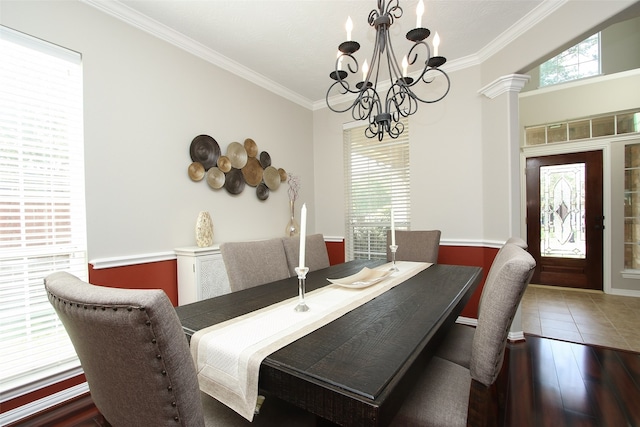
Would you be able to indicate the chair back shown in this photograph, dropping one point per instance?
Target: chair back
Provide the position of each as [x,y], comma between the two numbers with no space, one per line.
[415,245]
[316,255]
[508,278]
[518,242]
[133,352]
[254,263]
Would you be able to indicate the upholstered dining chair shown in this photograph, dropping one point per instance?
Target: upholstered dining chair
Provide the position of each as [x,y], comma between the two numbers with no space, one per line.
[137,361]
[456,346]
[448,394]
[316,255]
[415,245]
[254,263]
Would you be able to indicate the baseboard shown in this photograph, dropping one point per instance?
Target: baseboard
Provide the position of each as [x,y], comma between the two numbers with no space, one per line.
[514,336]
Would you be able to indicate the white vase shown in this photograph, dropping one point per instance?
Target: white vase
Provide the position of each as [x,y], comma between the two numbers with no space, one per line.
[204,230]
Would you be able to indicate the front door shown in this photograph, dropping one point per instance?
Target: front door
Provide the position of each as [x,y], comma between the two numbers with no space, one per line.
[565,219]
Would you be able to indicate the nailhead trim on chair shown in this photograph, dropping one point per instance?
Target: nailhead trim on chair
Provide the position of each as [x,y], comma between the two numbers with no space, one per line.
[154,341]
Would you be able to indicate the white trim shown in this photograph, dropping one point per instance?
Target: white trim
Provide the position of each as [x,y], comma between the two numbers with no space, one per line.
[533,18]
[630,274]
[336,239]
[624,292]
[581,82]
[126,260]
[32,408]
[470,321]
[509,83]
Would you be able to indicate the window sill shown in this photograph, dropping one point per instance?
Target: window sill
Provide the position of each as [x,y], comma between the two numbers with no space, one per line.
[630,274]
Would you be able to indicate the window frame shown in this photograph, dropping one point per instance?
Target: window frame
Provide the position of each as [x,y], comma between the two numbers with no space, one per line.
[42,206]
[376,183]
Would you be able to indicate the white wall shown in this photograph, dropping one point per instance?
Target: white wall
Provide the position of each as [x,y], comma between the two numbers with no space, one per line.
[145,100]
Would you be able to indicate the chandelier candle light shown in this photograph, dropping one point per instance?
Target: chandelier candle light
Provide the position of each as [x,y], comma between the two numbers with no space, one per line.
[302,270]
[400,100]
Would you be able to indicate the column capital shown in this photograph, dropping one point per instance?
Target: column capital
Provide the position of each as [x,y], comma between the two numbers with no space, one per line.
[509,83]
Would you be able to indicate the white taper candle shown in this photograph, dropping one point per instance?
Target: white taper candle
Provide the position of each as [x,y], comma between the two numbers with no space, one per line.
[393,229]
[303,232]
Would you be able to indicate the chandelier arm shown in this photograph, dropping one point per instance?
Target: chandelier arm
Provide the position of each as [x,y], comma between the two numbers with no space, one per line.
[431,101]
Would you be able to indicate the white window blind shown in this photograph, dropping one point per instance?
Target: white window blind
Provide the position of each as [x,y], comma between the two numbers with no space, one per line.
[377,179]
[42,205]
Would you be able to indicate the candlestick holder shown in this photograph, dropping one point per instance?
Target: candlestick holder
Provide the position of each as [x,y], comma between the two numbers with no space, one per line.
[302,277]
[393,248]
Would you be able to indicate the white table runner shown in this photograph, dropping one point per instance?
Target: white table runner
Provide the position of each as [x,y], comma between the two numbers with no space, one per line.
[228,355]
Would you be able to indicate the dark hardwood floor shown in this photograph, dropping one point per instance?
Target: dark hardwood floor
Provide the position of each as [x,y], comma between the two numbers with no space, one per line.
[558,383]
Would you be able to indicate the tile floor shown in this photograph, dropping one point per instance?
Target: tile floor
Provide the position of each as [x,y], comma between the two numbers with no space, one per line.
[582,316]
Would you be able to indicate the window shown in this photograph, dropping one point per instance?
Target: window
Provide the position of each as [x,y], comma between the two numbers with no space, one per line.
[577,62]
[377,180]
[619,123]
[42,207]
[632,207]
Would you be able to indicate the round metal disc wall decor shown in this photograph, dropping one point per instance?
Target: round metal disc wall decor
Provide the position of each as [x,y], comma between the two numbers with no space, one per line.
[224,164]
[272,178]
[215,178]
[262,191]
[265,159]
[251,147]
[237,154]
[196,171]
[252,172]
[234,181]
[204,149]
[241,165]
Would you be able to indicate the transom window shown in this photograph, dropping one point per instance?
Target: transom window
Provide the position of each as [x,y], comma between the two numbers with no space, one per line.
[577,62]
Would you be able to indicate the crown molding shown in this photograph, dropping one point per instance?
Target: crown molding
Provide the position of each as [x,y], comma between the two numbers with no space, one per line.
[542,11]
[155,28]
[163,32]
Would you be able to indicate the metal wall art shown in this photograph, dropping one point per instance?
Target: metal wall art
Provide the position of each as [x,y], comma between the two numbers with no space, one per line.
[242,164]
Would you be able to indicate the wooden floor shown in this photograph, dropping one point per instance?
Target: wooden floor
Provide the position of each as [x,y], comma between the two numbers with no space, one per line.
[558,383]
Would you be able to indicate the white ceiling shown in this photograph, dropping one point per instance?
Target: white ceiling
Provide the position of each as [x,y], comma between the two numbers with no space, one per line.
[290,46]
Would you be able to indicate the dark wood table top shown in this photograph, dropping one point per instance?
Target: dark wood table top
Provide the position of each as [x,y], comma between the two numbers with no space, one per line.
[356,370]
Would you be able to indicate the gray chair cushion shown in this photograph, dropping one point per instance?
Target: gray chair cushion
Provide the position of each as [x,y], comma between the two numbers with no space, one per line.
[440,398]
[415,245]
[316,255]
[456,346]
[133,352]
[508,278]
[254,263]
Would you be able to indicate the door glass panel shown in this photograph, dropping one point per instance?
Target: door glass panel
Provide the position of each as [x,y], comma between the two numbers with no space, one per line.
[562,210]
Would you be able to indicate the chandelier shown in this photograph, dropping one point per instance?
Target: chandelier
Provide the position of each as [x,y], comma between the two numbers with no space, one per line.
[384,114]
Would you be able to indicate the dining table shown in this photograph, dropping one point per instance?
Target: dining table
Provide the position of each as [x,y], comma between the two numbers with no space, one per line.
[358,369]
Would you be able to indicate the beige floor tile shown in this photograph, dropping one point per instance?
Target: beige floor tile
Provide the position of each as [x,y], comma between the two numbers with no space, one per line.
[594,328]
[551,315]
[562,334]
[557,324]
[609,340]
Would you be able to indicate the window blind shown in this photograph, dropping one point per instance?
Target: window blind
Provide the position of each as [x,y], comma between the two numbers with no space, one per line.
[42,206]
[377,179]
